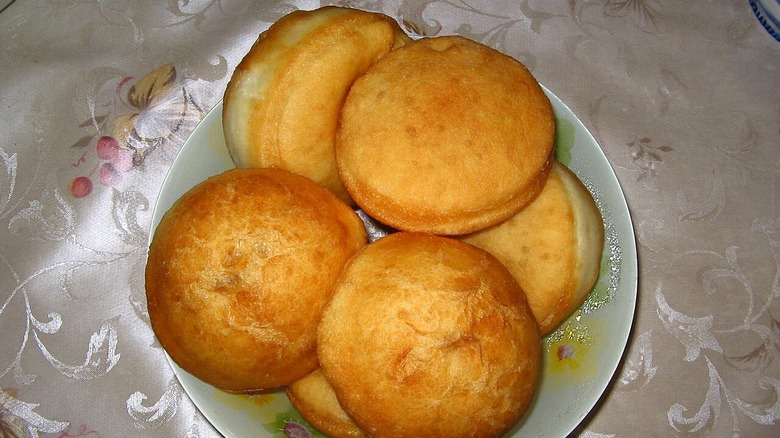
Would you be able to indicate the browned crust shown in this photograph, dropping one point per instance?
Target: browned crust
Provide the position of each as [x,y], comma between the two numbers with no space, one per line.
[552,247]
[464,144]
[239,271]
[429,336]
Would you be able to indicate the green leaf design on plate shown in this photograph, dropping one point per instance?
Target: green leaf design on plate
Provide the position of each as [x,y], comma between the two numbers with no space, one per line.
[564,140]
[277,428]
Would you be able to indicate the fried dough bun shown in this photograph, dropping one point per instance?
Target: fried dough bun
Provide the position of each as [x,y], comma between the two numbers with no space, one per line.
[552,247]
[239,271]
[313,398]
[445,136]
[429,336]
[282,103]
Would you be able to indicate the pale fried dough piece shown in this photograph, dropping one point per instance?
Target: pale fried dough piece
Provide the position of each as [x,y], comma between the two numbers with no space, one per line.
[282,104]
[313,397]
[552,247]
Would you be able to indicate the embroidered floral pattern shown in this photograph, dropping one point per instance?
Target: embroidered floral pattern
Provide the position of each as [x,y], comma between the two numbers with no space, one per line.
[19,419]
[82,431]
[702,334]
[644,12]
[160,108]
[647,156]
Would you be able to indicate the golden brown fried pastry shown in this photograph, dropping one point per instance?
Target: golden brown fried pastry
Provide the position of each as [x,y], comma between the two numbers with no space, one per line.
[429,336]
[313,397]
[282,104]
[552,247]
[445,136]
[239,271]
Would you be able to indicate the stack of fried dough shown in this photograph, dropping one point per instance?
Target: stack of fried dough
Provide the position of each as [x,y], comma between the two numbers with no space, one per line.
[262,277]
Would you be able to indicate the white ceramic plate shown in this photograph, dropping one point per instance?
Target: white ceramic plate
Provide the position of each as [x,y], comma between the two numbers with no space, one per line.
[580,358]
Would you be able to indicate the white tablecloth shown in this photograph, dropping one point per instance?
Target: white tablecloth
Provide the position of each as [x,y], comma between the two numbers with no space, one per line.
[683,98]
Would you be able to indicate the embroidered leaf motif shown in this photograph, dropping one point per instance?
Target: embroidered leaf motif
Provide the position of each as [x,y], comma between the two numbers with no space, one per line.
[95,121]
[708,413]
[712,277]
[694,333]
[7,179]
[776,333]
[758,359]
[151,417]
[50,327]
[22,415]
[151,87]
[101,355]
[124,209]
[14,335]
[646,156]
[642,11]
[82,142]
[762,355]
[764,413]
[707,208]
[51,218]
[413,20]
[771,227]
[638,370]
